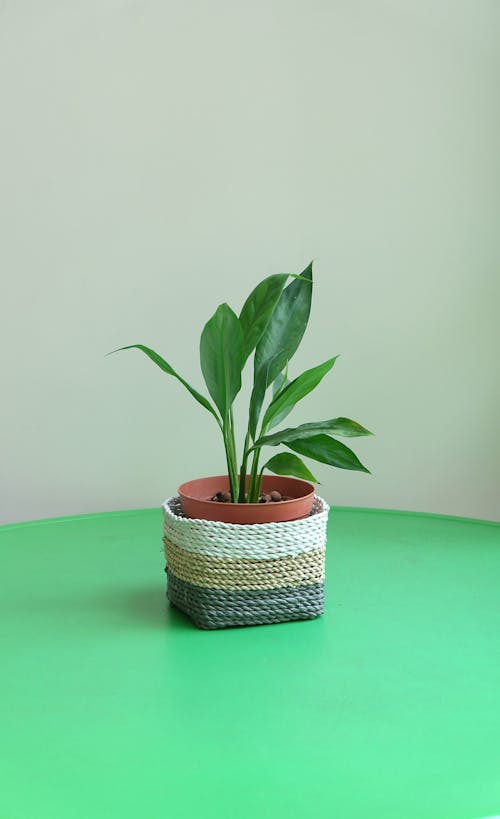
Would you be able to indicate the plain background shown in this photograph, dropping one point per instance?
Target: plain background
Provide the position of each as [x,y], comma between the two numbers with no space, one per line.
[158,158]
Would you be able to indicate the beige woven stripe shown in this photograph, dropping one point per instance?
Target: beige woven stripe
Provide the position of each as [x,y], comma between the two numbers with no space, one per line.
[233,573]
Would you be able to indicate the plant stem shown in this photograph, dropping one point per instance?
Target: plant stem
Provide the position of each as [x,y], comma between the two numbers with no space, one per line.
[253,494]
[256,476]
[231,438]
[243,471]
[234,457]
[229,445]
[259,483]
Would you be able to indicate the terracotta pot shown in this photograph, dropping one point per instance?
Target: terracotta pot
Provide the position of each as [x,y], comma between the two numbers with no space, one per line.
[195,499]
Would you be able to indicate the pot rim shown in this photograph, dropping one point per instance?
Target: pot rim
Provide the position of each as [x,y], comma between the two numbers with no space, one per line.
[311,490]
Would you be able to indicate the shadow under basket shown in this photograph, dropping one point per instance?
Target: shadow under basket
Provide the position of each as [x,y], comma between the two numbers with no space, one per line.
[229,574]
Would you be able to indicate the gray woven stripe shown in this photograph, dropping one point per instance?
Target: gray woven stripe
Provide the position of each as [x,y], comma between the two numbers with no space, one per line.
[219,608]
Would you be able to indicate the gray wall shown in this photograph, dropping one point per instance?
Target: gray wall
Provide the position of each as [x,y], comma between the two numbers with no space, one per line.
[161,157]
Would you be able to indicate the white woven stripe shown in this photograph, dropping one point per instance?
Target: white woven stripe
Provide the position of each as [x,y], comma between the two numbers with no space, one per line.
[260,542]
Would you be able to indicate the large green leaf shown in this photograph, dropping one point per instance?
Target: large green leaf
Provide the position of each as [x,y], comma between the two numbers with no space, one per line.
[165,366]
[287,464]
[221,357]
[296,390]
[327,450]
[336,426]
[258,309]
[280,339]
[280,382]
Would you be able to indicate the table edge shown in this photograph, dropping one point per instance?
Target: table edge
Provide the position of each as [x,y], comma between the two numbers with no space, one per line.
[333,510]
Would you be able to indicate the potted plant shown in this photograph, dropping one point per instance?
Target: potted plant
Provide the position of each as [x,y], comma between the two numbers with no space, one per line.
[216,516]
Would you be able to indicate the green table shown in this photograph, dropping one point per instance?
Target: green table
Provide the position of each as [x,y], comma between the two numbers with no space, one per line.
[113,705]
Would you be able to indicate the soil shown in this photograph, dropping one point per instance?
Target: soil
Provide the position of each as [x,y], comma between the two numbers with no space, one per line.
[272,497]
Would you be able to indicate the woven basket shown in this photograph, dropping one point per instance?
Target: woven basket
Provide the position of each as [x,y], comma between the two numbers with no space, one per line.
[228,574]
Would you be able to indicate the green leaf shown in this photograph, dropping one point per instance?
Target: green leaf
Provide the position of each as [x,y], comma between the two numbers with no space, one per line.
[280,382]
[296,390]
[346,428]
[280,339]
[336,426]
[221,357]
[287,464]
[165,366]
[327,450]
[280,417]
[257,310]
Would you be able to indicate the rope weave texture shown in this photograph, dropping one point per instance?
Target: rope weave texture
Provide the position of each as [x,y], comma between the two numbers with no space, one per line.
[224,574]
